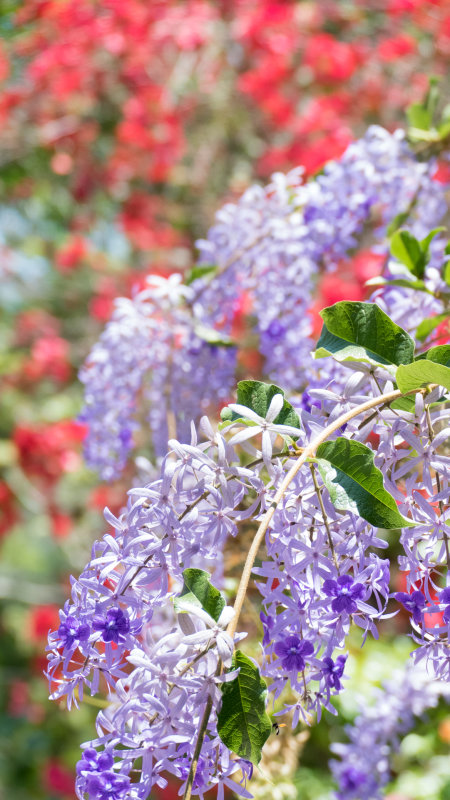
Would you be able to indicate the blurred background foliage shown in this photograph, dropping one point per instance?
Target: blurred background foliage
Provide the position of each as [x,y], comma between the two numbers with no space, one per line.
[123,127]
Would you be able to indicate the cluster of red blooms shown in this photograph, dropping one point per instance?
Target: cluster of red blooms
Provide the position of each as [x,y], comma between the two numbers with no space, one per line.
[111,90]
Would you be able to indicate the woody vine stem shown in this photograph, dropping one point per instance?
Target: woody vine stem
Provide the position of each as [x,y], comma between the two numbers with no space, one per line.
[308,452]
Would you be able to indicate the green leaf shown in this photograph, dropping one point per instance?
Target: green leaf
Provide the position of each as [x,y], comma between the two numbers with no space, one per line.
[363,332]
[404,404]
[412,253]
[258,395]
[398,221]
[425,243]
[356,484]
[421,373]
[439,354]
[428,325]
[407,250]
[446,273]
[242,723]
[200,271]
[419,116]
[199,591]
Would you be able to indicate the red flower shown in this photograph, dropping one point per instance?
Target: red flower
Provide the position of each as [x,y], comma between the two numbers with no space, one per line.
[46,451]
[62,524]
[71,254]
[41,620]
[49,359]
[8,511]
[396,47]
[58,779]
[329,59]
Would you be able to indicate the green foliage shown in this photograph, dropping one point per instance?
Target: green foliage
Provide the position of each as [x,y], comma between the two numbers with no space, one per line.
[257,396]
[421,373]
[199,591]
[242,723]
[356,484]
[355,331]
[200,271]
[412,253]
[439,354]
[425,124]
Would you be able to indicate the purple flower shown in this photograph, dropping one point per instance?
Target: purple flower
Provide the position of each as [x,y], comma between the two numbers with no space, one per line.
[93,761]
[333,671]
[114,627]
[345,593]
[275,329]
[107,786]
[292,652]
[444,598]
[414,603]
[351,780]
[72,630]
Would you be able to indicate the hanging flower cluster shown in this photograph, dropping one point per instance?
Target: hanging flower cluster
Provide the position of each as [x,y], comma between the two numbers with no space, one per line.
[317,478]
[168,341]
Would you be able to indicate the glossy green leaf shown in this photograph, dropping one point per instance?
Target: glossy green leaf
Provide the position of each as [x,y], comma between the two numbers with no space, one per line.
[356,331]
[439,354]
[407,250]
[258,396]
[242,723]
[355,484]
[421,373]
[412,253]
[198,591]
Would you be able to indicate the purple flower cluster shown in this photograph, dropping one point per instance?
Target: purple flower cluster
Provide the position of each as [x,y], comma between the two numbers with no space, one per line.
[412,454]
[364,766]
[119,616]
[323,571]
[151,356]
[273,244]
[321,575]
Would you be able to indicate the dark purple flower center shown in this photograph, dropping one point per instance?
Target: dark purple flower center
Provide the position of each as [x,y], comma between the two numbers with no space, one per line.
[345,593]
[352,779]
[72,630]
[107,786]
[414,603]
[292,652]
[114,627]
[333,671]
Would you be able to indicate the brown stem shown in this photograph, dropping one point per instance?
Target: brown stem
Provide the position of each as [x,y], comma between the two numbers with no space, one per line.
[324,515]
[308,452]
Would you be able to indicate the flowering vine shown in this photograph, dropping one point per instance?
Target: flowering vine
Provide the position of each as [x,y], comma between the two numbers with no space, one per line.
[358,446]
